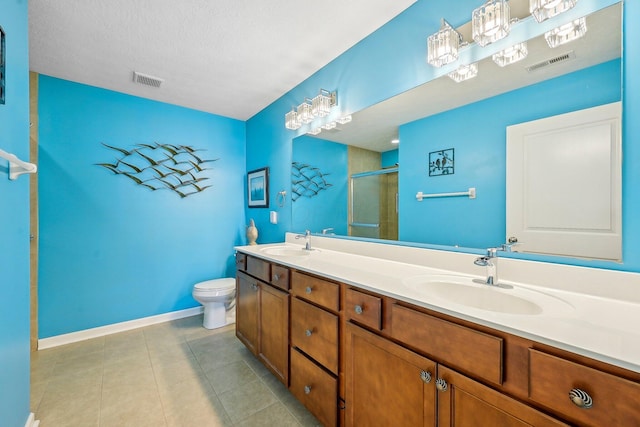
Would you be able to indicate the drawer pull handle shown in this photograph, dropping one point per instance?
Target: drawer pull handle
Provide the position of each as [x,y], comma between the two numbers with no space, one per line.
[358,309]
[425,376]
[254,287]
[276,277]
[441,385]
[308,332]
[308,290]
[307,389]
[580,398]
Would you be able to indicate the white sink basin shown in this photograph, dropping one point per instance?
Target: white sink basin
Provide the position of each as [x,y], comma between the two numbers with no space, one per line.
[463,291]
[285,251]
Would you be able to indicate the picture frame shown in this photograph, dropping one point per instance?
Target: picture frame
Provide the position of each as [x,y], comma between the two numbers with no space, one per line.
[3,58]
[442,162]
[258,188]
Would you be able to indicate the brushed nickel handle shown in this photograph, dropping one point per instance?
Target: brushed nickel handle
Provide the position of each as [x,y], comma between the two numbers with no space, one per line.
[308,290]
[358,309]
[425,376]
[441,385]
[580,398]
[308,332]
[276,277]
[307,389]
[254,287]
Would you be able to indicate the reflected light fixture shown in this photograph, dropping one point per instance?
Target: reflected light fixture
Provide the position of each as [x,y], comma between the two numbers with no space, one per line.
[464,72]
[344,119]
[315,131]
[491,22]
[322,103]
[511,54]
[291,120]
[566,33]
[442,47]
[545,9]
[395,141]
[329,126]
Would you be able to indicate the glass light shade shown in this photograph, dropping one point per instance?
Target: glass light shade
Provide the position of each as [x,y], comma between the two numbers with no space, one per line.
[344,119]
[491,22]
[442,47]
[321,104]
[464,72]
[545,9]
[315,131]
[511,54]
[291,120]
[330,125]
[566,33]
[304,113]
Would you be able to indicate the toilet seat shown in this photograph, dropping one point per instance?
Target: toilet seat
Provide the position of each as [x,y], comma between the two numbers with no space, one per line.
[216,286]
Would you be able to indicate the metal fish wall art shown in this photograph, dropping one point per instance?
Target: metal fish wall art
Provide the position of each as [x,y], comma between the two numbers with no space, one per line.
[307,181]
[178,168]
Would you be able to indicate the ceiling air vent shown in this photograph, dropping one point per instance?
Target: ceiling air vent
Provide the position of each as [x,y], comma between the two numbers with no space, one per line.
[145,79]
[552,61]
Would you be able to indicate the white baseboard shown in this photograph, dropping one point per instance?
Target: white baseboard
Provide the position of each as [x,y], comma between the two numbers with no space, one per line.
[115,328]
[31,421]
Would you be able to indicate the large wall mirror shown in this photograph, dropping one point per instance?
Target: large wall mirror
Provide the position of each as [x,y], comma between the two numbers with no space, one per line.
[353,181]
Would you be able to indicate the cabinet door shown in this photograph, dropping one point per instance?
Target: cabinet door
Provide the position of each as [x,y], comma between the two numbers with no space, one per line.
[464,402]
[274,331]
[387,385]
[247,305]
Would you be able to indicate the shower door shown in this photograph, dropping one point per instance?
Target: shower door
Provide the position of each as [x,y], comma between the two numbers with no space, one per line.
[373,211]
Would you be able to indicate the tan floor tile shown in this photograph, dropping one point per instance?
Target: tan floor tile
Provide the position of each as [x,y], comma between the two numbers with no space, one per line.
[274,415]
[246,400]
[230,376]
[70,407]
[134,412]
[176,372]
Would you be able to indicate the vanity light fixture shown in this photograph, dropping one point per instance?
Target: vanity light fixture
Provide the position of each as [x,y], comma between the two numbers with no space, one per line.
[545,9]
[566,33]
[323,102]
[511,54]
[442,47]
[315,131]
[304,112]
[291,120]
[329,126]
[464,72]
[491,22]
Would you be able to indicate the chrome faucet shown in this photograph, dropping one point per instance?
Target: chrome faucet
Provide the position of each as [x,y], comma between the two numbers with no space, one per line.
[327,230]
[489,261]
[307,237]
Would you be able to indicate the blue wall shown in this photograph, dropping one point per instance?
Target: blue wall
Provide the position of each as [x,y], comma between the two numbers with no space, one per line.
[480,156]
[14,222]
[111,250]
[329,207]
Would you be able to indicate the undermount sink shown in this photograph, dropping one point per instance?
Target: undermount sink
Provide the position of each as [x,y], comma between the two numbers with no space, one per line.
[464,291]
[285,251]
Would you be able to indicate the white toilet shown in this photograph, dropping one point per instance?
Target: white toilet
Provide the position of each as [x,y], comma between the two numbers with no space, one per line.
[218,297]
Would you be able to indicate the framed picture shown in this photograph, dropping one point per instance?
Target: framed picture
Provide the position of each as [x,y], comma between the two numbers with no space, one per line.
[3,57]
[441,162]
[258,188]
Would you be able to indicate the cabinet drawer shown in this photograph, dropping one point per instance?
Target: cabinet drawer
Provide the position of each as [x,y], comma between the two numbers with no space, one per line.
[259,268]
[241,261]
[363,308]
[315,332]
[615,400]
[280,277]
[474,352]
[319,291]
[314,388]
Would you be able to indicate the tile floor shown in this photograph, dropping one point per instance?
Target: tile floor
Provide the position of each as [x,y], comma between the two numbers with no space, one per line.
[171,374]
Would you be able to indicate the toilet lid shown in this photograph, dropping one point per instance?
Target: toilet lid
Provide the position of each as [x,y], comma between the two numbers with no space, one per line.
[217,284]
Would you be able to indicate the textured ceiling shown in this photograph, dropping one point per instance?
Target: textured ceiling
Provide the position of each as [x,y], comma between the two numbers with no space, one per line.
[227,57]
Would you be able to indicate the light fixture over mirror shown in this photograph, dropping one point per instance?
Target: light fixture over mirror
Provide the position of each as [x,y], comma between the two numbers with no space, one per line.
[310,109]
[464,72]
[545,9]
[491,22]
[511,55]
[566,33]
[442,47]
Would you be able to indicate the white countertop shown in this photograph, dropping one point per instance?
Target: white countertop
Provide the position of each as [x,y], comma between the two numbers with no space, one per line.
[591,312]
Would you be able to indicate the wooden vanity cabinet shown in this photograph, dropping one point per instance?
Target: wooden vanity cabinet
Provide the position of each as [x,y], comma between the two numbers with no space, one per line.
[315,343]
[262,318]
